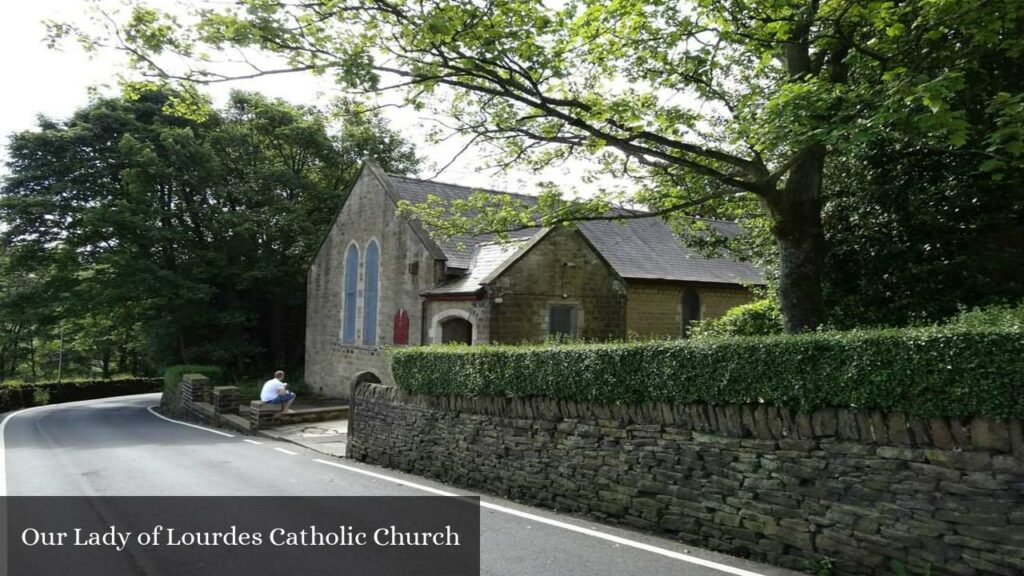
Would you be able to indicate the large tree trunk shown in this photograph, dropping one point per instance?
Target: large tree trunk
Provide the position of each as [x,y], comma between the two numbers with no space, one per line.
[796,224]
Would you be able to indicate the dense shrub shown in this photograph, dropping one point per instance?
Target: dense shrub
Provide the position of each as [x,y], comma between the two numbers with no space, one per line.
[170,401]
[924,372]
[993,317]
[17,396]
[760,318]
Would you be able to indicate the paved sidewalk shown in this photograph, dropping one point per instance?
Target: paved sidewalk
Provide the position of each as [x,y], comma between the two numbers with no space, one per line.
[329,437]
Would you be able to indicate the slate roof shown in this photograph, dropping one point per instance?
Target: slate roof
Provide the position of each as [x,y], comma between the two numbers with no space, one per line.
[459,249]
[484,259]
[638,249]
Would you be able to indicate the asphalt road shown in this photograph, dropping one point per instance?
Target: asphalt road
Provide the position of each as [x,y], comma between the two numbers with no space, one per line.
[118,447]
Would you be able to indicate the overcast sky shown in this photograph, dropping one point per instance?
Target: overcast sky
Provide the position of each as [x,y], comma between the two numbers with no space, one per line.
[55,83]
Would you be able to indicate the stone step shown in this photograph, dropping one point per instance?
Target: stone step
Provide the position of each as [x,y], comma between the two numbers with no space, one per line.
[235,422]
[205,410]
[270,415]
[314,415]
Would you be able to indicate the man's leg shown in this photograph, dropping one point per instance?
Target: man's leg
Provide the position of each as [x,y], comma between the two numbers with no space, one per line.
[288,403]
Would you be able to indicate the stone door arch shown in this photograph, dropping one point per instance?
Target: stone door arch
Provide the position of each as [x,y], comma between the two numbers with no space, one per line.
[453,326]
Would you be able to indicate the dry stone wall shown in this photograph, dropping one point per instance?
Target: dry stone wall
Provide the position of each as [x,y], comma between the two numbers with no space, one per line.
[858,488]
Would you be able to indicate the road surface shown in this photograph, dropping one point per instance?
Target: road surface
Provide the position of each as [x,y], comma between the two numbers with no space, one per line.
[119,447]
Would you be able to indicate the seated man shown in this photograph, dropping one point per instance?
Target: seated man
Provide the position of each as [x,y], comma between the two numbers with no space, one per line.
[275,392]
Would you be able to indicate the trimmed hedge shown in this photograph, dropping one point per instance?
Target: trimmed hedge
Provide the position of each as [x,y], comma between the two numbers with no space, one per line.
[17,396]
[924,372]
[170,400]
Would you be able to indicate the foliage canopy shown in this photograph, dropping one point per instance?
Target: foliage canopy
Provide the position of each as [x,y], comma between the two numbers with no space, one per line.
[708,106]
[154,239]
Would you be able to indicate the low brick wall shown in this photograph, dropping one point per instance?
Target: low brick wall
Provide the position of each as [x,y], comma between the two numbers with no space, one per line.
[860,488]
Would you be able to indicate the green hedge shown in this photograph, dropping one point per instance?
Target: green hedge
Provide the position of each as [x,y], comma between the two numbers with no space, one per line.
[760,318]
[1004,317]
[927,372]
[170,401]
[17,396]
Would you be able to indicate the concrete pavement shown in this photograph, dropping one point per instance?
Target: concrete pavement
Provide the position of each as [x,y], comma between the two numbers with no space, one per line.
[329,438]
[118,446]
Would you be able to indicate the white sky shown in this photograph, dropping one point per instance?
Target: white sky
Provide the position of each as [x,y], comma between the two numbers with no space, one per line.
[55,83]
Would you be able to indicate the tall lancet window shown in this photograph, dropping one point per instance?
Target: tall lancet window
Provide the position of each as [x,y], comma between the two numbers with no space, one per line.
[370,293]
[349,289]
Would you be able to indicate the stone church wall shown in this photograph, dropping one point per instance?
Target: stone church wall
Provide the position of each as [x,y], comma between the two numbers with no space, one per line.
[655,309]
[560,269]
[368,213]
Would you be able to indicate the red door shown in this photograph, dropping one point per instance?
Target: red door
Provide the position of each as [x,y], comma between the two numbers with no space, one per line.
[401,334]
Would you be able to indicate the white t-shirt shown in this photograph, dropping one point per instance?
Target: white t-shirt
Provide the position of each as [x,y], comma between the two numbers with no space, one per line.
[270,389]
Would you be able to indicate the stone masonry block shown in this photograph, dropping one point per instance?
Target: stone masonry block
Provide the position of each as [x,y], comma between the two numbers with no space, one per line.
[989,434]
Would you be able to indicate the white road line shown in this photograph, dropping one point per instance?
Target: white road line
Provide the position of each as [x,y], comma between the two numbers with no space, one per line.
[288,452]
[388,478]
[571,527]
[203,428]
[3,448]
[3,427]
[3,455]
[256,442]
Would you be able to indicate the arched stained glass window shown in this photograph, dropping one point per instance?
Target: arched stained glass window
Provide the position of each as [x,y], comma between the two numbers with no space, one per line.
[370,296]
[349,287]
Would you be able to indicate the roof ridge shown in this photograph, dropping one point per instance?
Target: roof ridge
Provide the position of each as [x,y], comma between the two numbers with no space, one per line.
[521,195]
[706,219]
[505,242]
[471,188]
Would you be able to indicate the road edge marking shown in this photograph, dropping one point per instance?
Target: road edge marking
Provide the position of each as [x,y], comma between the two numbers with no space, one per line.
[3,447]
[557,523]
[197,427]
[13,413]
[3,454]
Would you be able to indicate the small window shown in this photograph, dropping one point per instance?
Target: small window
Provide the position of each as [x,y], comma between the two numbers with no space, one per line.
[325,274]
[691,309]
[562,320]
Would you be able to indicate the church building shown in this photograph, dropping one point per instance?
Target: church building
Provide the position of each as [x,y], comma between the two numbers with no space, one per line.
[379,280]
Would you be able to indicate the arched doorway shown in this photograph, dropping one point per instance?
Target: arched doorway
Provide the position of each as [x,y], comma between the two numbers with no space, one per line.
[456,330]
[362,377]
[366,377]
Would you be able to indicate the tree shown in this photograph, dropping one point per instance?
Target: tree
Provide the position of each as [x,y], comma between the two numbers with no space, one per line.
[147,234]
[916,235]
[703,103]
